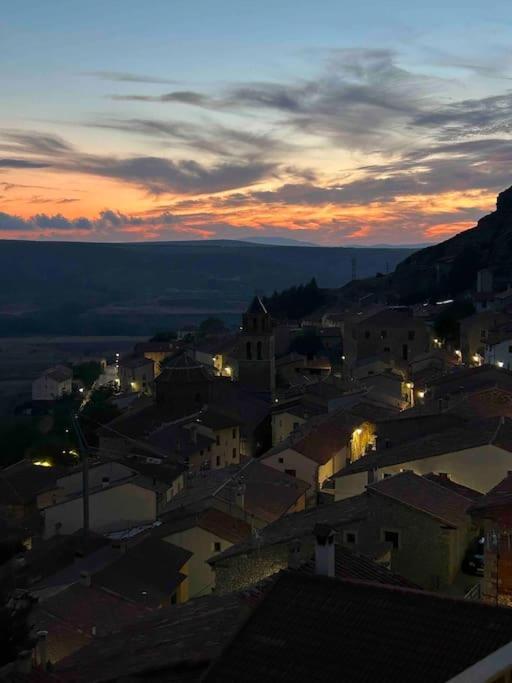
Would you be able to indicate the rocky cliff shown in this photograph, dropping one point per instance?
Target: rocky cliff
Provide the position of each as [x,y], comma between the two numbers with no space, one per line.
[450,268]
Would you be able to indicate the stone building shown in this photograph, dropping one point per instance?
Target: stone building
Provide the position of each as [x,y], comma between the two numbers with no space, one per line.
[255,352]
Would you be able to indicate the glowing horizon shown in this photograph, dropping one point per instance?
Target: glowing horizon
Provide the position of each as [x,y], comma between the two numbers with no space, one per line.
[207,122]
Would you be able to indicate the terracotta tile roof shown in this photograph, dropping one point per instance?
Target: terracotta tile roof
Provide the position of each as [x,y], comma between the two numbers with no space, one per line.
[500,495]
[223,525]
[301,524]
[60,373]
[321,629]
[22,482]
[353,565]
[72,614]
[495,431]
[470,379]
[148,573]
[184,638]
[424,495]
[268,493]
[317,441]
[135,362]
[444,480]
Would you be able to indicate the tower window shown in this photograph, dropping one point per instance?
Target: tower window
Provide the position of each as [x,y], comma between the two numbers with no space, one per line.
[255,323]
[248,351]
[258,350]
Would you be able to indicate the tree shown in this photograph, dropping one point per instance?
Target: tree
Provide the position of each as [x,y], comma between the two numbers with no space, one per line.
[87,372]
[98,410]
[15,607]
[211,326]
[168,336]
[296,302]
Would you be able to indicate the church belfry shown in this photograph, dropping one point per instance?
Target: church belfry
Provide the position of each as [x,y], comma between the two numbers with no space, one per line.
[256,354]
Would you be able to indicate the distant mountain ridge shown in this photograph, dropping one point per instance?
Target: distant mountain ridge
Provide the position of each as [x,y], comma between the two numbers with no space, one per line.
[137,288]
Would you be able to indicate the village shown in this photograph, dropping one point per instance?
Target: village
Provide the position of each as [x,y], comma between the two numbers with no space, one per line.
[212,474]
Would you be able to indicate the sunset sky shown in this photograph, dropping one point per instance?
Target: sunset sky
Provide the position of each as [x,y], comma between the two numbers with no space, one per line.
[334,122]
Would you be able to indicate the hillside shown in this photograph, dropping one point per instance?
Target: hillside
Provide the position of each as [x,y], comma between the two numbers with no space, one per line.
[135,288]
[449,268]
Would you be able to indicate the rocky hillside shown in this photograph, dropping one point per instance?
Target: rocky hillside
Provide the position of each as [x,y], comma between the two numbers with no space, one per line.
[450,268]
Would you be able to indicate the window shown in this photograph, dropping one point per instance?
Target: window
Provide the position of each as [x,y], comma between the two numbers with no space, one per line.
[405,351]
[233,433]
[248,351]
[367,334]
[280,460]
[411,334]
[392,537]
[234,453]
[292,473]
[295,426]
[217,546]
[351,537]
[201,452]
[483,334]
[383,334]
[387,348]
[510,349]
[218,461]
[259,347]
[217,439]
[255,323]
[174,599]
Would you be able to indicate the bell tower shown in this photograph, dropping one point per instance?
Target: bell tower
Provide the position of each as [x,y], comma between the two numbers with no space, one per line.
[255,353]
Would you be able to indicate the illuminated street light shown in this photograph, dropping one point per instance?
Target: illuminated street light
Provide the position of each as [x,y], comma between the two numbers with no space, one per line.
[500,363]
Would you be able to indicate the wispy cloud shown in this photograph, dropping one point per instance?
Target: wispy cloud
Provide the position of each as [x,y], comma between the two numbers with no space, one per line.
[127,77]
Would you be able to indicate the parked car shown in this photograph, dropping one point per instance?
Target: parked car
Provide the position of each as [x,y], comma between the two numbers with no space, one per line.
[473,562]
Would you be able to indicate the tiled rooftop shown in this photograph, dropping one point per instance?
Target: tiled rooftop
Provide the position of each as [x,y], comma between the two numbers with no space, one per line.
[321,629]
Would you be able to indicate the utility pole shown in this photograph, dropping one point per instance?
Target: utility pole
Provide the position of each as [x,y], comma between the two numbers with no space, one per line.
[84,454]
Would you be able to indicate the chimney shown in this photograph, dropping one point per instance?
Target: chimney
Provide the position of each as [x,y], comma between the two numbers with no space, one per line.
[42,649]
[240,496]
[324,550]
[85,579]
[24,662]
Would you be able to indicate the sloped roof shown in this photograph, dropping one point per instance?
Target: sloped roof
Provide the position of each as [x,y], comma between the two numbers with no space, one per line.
[499,495]
[147,573]
[60,373]
[70,616]
[301,524]
[188,636]
[321,629]
[444,480]
[495,431]
[353,565]
[135,362]
[424,495]
[268,493]
[22,482]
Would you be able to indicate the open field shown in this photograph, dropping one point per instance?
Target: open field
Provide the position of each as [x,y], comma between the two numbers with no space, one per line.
[24,358]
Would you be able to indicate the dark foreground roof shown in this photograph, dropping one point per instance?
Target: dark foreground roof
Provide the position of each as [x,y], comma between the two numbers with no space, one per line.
[182,638]
[352,565]
[320,629]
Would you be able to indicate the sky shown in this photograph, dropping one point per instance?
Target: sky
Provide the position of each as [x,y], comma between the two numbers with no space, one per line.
[332,122]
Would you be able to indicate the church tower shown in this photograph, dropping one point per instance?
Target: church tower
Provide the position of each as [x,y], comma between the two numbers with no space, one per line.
[255,353]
